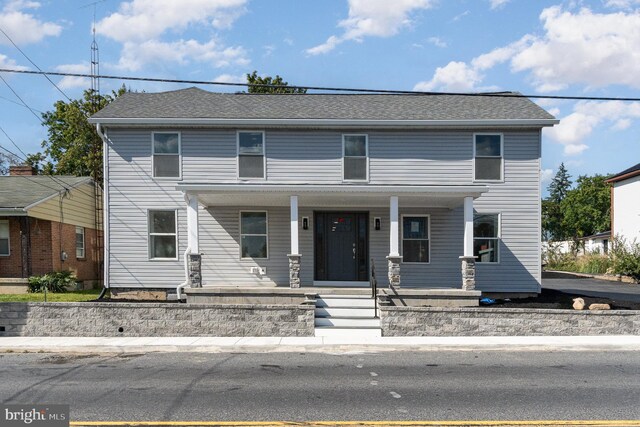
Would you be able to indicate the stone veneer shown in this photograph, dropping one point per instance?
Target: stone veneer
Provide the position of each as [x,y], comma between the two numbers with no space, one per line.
[439,321]
[154,319]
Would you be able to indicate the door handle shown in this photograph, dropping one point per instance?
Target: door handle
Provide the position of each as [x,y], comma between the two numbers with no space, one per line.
[354,253]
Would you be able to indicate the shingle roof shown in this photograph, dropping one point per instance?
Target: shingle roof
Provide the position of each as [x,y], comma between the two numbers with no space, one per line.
[627,173]
[22,191]
[195,103]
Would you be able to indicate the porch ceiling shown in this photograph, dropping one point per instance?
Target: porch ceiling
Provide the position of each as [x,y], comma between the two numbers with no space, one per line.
[443,196]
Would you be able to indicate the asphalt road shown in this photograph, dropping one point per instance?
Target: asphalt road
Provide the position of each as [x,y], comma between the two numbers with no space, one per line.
[591,287]
[291,386]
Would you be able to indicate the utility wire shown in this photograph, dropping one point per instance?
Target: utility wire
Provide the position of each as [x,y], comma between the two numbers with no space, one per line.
[13,142]
[21,100]
[17,103]
[325,88]
[34,64]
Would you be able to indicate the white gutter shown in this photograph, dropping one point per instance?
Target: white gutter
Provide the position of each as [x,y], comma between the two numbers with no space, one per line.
[370,123]
[13,212]
[186,282]
[105,207]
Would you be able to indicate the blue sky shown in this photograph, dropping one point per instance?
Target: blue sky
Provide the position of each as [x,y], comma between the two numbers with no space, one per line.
[556,47]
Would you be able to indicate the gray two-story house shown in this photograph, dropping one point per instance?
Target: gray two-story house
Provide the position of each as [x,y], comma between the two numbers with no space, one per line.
[309,190]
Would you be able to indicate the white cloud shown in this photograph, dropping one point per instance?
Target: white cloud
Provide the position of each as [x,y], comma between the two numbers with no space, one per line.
[496,4]
[141,20]
[22,27]
[69,82]
[622,4]
[6,62]
[454,77]
[460,16]
[231,78]
[372,18]
[546,175]
[577,126]
[136,55]
[437,41]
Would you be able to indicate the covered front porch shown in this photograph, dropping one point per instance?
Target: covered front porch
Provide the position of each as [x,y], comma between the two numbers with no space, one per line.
[315,236]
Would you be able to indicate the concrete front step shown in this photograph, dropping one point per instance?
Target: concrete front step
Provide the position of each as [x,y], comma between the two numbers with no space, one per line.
[347,322]
[347,332]
[341,296]
[346,312]
[345,302]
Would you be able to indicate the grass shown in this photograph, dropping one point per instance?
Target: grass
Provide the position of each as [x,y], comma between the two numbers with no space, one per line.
[76,296]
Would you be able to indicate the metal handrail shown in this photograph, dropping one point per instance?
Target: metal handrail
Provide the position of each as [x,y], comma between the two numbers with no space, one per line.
[374,288]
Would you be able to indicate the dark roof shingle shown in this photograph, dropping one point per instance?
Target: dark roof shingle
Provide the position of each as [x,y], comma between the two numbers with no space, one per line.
[630,171]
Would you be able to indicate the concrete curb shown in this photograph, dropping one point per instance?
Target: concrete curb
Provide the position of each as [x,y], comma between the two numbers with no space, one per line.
[341,345]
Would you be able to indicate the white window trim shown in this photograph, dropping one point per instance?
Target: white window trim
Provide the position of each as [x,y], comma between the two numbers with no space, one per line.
[84,248]
[402,239]
[498,238]
[150,252]
[501,135]
[8,238]
[366,140]
[266,218]
[264,156]
[153,155]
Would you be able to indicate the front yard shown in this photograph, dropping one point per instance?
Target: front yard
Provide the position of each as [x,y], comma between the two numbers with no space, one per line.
[76,296]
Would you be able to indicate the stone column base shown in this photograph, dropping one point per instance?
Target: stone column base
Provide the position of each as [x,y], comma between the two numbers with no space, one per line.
[394,270]
[468,273]
[294,270]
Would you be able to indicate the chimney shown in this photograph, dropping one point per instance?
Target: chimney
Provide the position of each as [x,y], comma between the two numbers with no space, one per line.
[21,170]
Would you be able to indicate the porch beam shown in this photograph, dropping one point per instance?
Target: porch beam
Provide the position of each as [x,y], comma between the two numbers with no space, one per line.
[192,224]
[294,225]
[468,226]
[394,228]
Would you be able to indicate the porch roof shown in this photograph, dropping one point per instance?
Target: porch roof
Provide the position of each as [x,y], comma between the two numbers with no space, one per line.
[445,196]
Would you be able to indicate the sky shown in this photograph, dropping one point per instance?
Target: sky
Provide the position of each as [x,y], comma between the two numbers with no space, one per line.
[540,47]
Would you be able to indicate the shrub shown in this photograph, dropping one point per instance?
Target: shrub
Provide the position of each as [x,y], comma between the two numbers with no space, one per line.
[626,258]
[56,282]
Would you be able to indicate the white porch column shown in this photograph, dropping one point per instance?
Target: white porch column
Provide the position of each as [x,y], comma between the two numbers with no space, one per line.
[294,256]
[192,224]
[394,259]
[468,226]
[468,261]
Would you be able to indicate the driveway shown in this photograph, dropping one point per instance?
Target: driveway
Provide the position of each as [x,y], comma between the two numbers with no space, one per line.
[591,287]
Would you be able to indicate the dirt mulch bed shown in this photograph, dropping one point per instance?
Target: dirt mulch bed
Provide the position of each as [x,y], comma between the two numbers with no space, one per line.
[553,299]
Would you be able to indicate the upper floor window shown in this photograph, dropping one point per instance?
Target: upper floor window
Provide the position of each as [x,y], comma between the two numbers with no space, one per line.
[486,237]
[4,238]
[166,155]
[251,155]
[163,235]
[488,157]
[355,165]
[80,252]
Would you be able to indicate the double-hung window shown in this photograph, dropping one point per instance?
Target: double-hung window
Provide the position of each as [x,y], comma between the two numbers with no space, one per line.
[163,236]
[415,238]
[251,155]
[4,238]
[486,237]
[166,154]
[488,157]
[254,242]
[80,242]
[355,164]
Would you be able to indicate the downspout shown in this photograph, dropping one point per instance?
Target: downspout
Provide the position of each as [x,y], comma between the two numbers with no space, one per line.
[186,282]
[105,210]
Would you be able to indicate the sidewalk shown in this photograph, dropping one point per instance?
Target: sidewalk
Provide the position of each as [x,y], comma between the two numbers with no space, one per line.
[313,344]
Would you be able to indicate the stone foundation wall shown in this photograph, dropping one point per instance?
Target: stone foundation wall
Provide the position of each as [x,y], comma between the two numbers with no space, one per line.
[154,319]
[437,321]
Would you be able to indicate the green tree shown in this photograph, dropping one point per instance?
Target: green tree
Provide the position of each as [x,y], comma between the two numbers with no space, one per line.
[7,160]
[255,79]
[552,215]
[587,208]
[73,146]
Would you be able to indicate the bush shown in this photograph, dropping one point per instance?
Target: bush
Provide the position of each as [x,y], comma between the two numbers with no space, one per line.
[593,263]
[626,258]
[56,282]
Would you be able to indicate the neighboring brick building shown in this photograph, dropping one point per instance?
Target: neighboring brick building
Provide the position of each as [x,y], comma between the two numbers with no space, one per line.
[47,224]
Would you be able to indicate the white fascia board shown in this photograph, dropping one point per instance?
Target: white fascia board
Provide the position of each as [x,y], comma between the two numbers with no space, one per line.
[12,212]
[342,123]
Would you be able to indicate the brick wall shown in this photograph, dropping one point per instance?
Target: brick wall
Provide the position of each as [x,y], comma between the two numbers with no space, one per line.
[48,240]
[154,319]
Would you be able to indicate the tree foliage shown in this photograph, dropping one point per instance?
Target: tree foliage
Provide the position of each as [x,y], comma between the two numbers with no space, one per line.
[255,79]
[552,215]
[587,208]
[7,160]
[73,146]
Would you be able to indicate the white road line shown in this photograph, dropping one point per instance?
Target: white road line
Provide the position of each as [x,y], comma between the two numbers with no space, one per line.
[374,383]
[394,394]
[373,374]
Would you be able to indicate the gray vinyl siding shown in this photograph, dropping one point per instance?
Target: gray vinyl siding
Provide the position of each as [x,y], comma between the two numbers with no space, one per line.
[315,156]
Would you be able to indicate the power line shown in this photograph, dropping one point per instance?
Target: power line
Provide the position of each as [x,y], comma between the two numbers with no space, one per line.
[13,142]
[17,103]
[21,100]
[328,88]
[34,64]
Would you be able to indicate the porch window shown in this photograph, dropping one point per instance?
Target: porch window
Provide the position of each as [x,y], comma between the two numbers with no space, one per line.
[166,155]
[415,239]
[486,237]
[80,242]
[355,162]
[253,235]
[488,157]
[163,236]
[251,155]
[4,238]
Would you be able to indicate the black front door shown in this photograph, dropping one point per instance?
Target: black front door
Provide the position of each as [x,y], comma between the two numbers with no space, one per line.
[341,246]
